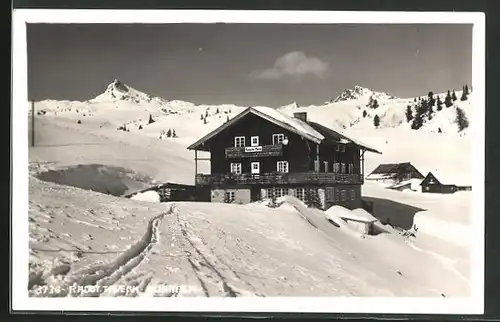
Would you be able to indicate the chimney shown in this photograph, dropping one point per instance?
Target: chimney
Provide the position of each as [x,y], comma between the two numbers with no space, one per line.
[301,116]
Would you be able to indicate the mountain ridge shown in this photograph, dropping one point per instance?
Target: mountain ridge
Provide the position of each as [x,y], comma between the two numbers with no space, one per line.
[354,107]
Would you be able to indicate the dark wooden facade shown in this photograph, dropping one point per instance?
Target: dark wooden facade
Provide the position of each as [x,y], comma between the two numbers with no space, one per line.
[432,185]
[300,153]
[325,163]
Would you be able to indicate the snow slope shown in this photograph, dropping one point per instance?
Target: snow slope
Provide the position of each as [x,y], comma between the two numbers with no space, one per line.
[231,250]
[346,111]
[137,248]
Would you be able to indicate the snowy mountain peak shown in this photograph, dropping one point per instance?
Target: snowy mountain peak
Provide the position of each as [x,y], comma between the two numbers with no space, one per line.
[116,85]
[352,93]
[358,92]
[119,91]
[292,105]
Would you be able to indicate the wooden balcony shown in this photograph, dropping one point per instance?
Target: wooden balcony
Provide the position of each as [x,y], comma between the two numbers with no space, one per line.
[254,151]
[315,178]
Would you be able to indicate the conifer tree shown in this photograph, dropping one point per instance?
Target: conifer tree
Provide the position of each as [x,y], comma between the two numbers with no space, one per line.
[464,93]
[376,121]
[454,96]
[432,100]
[409,114]
[448,101]
[150,121]
[423,107]
[375,104]
[169,133]
[364,113]
[370,102]
[461,120]
[174,134]
[417,122]
[439,104]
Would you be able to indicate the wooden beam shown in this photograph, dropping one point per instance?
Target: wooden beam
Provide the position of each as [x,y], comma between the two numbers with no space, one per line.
[363,164]
[317,157]
[195,162]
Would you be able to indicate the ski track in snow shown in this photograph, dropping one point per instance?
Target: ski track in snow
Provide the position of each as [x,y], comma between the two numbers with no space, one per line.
[104,276]
[204,265]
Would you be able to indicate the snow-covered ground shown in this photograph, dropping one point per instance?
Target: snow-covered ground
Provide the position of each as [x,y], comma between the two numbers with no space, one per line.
[136,247]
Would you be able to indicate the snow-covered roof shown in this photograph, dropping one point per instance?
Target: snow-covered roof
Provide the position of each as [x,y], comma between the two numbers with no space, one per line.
[312,131]
[300,127]
[356,214]
[412,182]
[359,215]
[379,176]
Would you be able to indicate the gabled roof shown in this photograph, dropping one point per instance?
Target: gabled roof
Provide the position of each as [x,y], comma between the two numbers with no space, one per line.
[337,137]
[287,122]
[431,178]
[394,168]
[308,130]
[450,177]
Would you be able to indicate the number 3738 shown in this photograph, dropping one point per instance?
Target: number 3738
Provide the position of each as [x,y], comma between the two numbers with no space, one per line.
[47,290]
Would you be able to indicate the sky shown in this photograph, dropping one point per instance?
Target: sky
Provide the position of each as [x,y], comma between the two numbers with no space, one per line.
[247,64]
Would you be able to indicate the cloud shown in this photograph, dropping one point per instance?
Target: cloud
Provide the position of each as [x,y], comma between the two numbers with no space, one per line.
[293,64]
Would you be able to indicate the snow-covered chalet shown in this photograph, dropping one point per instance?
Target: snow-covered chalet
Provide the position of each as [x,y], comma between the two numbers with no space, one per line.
[262,152]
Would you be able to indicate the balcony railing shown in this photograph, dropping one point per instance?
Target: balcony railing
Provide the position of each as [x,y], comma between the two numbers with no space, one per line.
[278,178]
[274,150]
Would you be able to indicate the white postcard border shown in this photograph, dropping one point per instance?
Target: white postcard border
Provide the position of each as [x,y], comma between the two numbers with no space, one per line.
[19,219]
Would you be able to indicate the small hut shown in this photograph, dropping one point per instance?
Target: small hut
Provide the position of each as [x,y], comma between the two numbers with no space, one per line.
[392,173]
[360,219]
[436,182]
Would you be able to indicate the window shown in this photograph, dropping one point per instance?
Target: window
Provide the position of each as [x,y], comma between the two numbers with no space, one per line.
[229,196]
[300,193]
[343,195]
[254,141]
[282,166]
[351,168]
[330,194]
[280,192]
[353,195]
[337,194]
[326,165]
[342,168]
[239,141]
[255,167]
[336,167]
[236,168]
[277,192]
[278,138]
